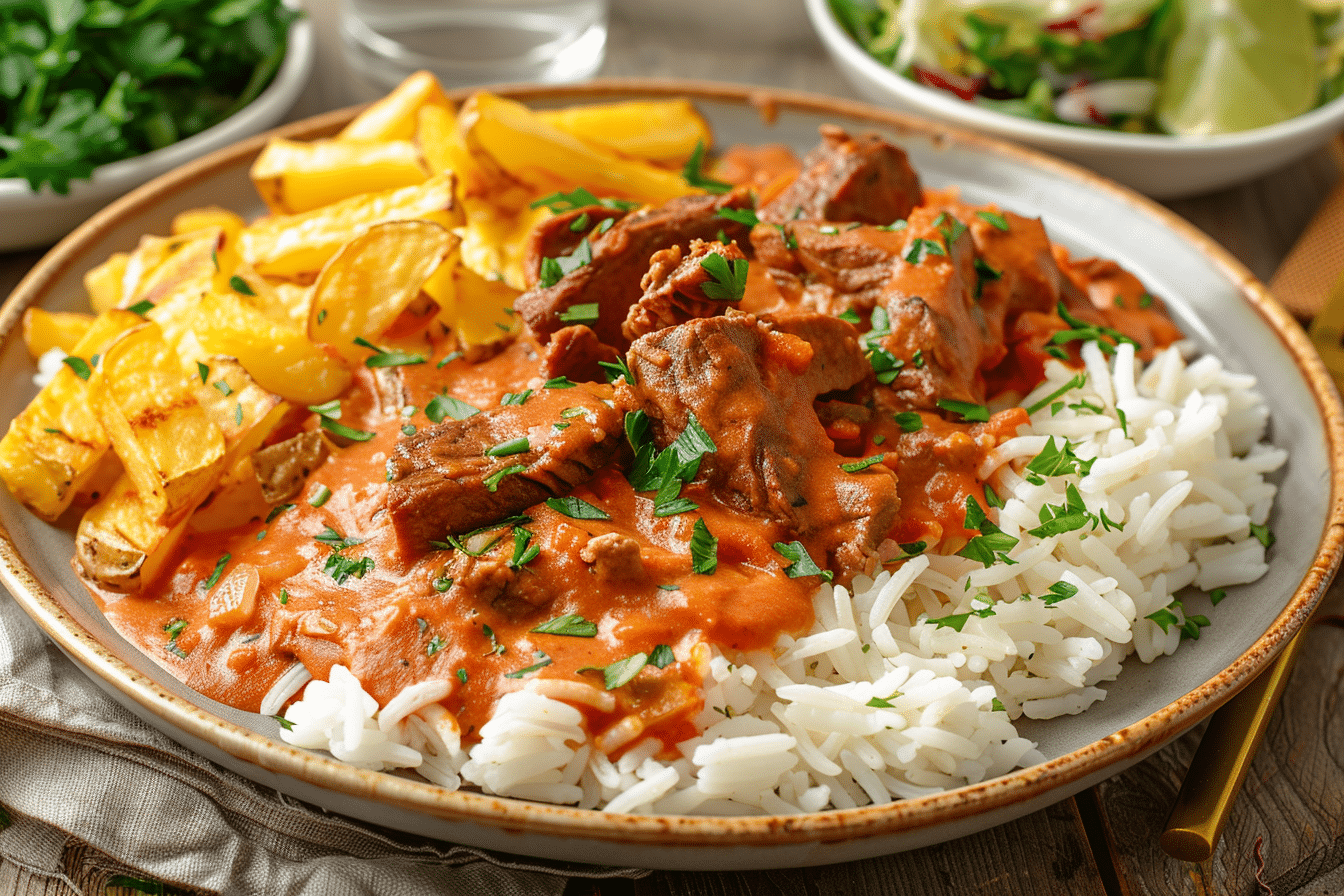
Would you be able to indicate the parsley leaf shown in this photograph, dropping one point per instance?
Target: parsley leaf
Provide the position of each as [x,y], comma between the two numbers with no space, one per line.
[861,465]
[694,175]
[968,411]
[704,549]
[441,407]
[576,508]
[542,662]
[730,278]
[801,563]
[570,625]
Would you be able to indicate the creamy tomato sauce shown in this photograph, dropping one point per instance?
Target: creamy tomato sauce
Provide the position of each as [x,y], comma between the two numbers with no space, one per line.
[338,583]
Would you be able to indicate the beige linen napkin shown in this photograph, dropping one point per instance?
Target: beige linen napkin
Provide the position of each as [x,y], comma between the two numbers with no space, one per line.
[91,792]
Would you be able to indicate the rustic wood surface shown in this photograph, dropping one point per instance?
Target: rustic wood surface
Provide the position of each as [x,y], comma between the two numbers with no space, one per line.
[1285,835]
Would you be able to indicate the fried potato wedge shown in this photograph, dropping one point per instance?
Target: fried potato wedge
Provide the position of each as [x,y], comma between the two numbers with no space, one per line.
[547,158]
[171,449]
[292,246]
[244,412]
[121,544]
[209,217]
[476,309]
[45,330]
[662,131]
[394,116]
[53,447]
[299,177]
[373,279]
[279,356]
[105,283]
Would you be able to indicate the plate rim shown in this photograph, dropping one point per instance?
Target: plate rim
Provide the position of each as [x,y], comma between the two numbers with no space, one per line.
[901,818]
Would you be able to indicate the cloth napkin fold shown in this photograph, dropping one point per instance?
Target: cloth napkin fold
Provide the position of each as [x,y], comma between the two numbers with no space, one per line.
[91,792]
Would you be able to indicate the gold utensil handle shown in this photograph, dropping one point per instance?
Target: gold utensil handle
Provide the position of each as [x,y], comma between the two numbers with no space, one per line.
[1222,760]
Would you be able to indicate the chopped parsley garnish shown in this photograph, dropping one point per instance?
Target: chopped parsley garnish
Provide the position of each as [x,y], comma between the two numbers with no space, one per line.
[615,370]
[704,549]
[662,657]
[580,224]
[921,249]
[729,281]
[435,644]
[408,429]
[335,540]
[284,722]
[284,597]
[1072,515]
[1084,332]
[224,388]
[850,316]
[559,382]
[524,552]
[515,398]
[664,472]
[584,313]
[992,497]
[460,542]
[1146,301]
[542,661]
[991,544]
[620,672]
[79,366]
[861,465]
[441,407]
[1056,461]
[695,176]
[447,359]
[968,411]
[885,365]
[510,447]
[218,571]
[985,273]
[383,357]
[994,218]
[800,561]
[142,307]
[576,508]
[790,241]
[571,625]
[462,675]
[1058,592]
[957,621]
[276,511]
[496,648]
[341,568]
[492,481]
[442,584]
[580,198]
[320,496]
[203,370]
[1164,618]
[744,216]
[1216,595]
[669,587]
[1108,524]
[908,550]
[238,284]
[909,421]
[1076,383]
[996,705]
[328,416]
[553,270]
[1263,535]
[882,702]
[1124,423]
[175,628]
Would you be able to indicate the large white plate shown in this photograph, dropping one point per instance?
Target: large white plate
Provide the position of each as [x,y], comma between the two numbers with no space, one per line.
[1214,299]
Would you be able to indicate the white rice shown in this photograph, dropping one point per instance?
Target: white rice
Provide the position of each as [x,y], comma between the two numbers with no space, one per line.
[877,703]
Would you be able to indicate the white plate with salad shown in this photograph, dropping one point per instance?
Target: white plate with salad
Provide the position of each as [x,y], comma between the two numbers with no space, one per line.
[1170,97]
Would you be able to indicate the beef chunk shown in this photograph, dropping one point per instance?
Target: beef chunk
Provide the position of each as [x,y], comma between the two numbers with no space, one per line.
[750,383]
[561,235]
[613,556]
[673,288]
[828,269]
[611,280]
[576,353]
[444,482]
[515,591]
[849,178]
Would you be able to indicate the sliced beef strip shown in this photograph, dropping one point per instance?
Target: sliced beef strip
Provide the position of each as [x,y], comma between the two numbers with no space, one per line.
[438,476]
[848,178]
[621,258]
[576,353]
[750,383]
[674,288]
[931,305]
[826,268]
[558,236]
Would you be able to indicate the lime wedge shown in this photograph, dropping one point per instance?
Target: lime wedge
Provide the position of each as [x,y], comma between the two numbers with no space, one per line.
[1236,65]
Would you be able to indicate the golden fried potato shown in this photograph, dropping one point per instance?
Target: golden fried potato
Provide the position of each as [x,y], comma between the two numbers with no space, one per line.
[165,439]
[209,217]
[45,330]
[292,246]
[296,177]
[528,148]
[105,283]
[121,544]
[394,116]
[279,356]
[373,279]
[662,131]
[244,412]
[478,310]
[54,446]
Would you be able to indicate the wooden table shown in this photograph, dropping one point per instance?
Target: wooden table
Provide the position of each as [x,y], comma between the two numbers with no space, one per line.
[1286,831]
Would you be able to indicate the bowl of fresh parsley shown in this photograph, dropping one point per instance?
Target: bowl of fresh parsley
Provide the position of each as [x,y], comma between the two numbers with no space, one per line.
[100,96]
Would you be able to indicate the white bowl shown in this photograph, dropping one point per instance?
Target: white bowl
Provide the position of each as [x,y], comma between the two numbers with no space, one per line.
[1161,166]
[31,219]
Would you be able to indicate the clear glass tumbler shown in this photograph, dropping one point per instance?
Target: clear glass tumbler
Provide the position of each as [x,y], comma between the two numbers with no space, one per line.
[471,42]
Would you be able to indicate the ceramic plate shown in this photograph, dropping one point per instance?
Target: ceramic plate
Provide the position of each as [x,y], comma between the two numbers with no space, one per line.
[1213,298]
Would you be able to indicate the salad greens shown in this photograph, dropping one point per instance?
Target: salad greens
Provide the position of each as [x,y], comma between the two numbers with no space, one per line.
[1162,66]
[87,82]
